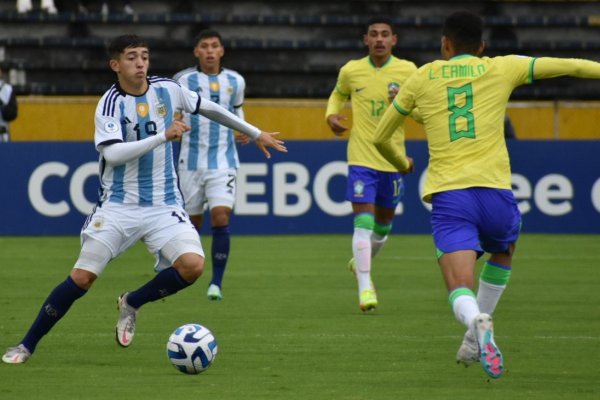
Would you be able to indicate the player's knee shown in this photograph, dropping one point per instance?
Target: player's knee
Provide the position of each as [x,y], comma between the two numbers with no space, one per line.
[219,216]
[190,266]
[185,253]
[221,220]
[82,278]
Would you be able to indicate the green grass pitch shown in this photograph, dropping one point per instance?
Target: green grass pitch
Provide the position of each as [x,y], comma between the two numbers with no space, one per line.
[290,328]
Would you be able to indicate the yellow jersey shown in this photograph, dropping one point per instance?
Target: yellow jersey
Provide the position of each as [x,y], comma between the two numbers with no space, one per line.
[462,102]
[368,88]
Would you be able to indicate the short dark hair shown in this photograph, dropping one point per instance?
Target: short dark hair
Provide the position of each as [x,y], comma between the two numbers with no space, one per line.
[465,30]
[120,43]
[208,33]
[379,19]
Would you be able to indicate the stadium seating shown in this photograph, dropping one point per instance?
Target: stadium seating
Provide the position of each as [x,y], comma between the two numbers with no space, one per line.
[284,49]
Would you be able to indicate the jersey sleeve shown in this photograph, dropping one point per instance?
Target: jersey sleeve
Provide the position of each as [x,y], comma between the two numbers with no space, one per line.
[238,100]
[387,135]
[180,75]
[223,116]
[518,69]
[339,95]
[549,67]
[107,126]
[121,153]
[190,101]
[181,79]
[405,99]
[343,84]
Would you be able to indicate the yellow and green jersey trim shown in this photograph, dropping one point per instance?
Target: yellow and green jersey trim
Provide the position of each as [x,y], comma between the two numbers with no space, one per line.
[400,109]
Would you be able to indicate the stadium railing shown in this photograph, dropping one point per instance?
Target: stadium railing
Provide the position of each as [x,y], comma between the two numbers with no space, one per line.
[289,19]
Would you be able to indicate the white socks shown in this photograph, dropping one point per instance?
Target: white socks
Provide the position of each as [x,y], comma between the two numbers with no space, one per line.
[488,296]
[377,243]
[365,246]
[361,249]
[465,309]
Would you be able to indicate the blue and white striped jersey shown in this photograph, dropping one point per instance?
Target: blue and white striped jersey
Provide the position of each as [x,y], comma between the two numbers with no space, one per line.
[120,117]
[210,145]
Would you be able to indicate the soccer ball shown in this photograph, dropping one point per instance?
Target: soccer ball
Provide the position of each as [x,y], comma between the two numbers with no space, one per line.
[192,348]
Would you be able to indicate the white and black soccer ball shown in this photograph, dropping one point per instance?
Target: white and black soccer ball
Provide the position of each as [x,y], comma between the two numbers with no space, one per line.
[192,348]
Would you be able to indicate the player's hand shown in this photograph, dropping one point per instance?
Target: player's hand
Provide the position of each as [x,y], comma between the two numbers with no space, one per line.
[392,92]
[267,139]
[176,130]
[242,139]
[410,168]
[335,123]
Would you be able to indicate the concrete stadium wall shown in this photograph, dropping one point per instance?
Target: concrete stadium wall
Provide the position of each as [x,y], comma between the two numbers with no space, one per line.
[50,118]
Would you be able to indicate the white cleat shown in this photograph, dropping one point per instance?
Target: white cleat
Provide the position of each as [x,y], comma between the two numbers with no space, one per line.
[468,353]
[16,355]
[125,329]
[214,292]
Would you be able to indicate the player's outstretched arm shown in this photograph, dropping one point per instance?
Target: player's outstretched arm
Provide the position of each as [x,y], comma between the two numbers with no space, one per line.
[263,143]
[223,116]
[550,67]
[267,139]
[242,139]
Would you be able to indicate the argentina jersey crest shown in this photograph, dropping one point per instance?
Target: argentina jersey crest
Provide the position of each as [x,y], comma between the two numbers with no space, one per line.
[161,109]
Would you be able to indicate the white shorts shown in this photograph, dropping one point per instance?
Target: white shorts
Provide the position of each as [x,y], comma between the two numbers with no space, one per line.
[119,227]
[215,187]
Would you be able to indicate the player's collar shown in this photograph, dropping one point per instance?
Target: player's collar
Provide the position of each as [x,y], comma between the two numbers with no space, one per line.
[382,65]
[200,70]
[125,93]
[461,56]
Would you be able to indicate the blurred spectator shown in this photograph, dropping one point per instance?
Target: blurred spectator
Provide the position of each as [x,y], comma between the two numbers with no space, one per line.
[48,6]
[127,9]
[8,105]
[83,7]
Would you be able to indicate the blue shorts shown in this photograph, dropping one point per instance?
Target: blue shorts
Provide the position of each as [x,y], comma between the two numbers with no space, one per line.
[479,219]
[366,185]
